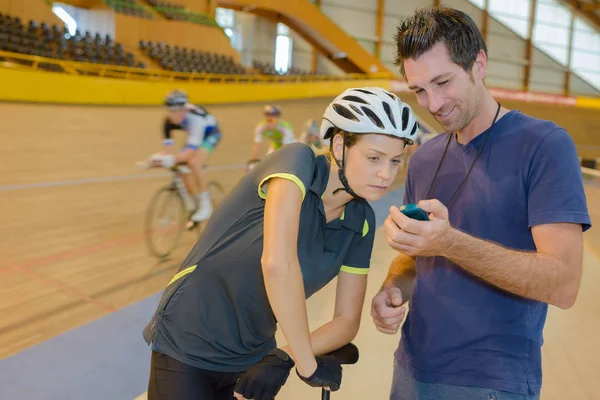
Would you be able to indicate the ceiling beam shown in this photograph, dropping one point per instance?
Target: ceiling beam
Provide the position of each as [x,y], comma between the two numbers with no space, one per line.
[582,9]
[590,7]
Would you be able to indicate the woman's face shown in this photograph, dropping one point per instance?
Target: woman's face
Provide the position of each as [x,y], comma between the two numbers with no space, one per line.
[371,164]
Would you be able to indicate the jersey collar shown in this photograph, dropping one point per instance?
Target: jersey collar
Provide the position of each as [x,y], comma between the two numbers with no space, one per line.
[353,216]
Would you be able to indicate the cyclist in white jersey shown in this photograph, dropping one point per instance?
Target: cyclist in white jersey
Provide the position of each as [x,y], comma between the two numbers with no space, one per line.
[203,134]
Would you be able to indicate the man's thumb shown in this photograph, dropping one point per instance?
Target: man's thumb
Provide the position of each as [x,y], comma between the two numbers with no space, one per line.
[396,297]
[434,207]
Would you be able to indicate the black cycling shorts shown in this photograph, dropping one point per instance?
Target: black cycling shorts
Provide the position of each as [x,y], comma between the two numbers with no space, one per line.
[174,380]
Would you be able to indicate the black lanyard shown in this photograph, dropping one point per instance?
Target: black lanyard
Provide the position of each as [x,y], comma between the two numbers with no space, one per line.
[450,136]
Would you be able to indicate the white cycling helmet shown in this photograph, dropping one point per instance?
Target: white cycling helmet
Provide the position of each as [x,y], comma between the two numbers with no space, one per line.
[176,100]
[370,110]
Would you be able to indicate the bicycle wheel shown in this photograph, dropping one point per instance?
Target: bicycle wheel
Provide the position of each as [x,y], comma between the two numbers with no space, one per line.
[165,222]
[216,193]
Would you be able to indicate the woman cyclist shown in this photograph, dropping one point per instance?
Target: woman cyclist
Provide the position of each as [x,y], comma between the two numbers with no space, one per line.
[291,225]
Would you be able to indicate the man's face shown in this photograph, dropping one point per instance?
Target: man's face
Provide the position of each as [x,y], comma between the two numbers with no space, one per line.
[451,94]
[271,121]
[176,116]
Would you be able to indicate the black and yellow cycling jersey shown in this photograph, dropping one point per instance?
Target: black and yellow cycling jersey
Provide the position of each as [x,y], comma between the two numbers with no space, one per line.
[215,313]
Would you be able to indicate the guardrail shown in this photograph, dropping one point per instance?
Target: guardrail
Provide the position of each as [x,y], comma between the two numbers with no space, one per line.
[23,61]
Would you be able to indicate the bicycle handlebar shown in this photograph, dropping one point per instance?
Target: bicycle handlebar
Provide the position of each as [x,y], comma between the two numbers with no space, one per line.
[344,355]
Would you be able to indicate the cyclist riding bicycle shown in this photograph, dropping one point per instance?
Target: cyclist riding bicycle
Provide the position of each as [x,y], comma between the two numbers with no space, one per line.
[203,135]
[312,135]
[289,226]
[279,132]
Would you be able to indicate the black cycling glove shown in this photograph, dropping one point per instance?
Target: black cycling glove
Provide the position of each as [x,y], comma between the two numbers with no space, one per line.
[264,379]
[328,374]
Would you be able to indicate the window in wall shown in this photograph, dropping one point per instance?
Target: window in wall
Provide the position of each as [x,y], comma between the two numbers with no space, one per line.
[226,19]
[65,17]
[551,30]
[585,53]
[478,3]
[283,49]
[512,13]
[551,33]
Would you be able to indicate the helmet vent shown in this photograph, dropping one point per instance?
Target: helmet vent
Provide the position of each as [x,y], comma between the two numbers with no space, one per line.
[356,109]
[365,91]
[355,98]
[344,112]
[373,117]
[388,111]
[329,132]
[414,129]
[405,117]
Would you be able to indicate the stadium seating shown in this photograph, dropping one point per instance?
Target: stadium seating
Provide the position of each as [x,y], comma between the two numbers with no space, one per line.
[178,12]
[177,59]
[129,7]
[269,69]
[54,42]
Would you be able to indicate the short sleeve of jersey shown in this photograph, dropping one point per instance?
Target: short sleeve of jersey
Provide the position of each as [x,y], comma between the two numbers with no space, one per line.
[358,258]
[295,162]
[258,132]
[556,193]
[287,134]
[196,129]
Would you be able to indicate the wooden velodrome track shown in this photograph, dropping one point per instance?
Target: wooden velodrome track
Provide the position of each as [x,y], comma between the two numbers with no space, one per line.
[72,205]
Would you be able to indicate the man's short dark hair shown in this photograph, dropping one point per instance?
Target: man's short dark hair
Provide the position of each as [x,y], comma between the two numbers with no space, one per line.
[431,25]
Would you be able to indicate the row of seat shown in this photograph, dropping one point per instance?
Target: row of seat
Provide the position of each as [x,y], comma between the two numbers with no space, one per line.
[52,42]
[269,69]
[179,59]
[129,7]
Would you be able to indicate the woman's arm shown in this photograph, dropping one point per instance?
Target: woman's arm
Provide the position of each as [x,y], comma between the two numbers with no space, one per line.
[281,270]
[342,329]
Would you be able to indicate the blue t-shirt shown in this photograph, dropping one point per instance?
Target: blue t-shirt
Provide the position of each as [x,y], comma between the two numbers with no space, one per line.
[461,330]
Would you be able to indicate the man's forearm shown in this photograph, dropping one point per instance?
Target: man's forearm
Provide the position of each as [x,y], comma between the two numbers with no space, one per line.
[528,274]
[401,274]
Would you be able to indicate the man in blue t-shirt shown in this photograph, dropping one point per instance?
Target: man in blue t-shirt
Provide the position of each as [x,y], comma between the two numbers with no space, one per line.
[507,211]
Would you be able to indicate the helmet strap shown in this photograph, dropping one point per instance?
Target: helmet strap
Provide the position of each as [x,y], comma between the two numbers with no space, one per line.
[341,173]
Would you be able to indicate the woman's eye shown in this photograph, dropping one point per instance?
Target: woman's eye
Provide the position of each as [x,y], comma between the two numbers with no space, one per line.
[443,83]
[373,159]
[395,162]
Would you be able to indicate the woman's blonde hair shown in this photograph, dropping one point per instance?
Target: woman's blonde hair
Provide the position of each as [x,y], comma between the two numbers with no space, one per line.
[351,140]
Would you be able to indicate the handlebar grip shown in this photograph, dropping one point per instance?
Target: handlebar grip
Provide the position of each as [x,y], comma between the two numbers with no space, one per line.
[344,355]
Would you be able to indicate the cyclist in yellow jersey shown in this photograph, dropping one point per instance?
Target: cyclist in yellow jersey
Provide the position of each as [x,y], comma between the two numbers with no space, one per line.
[279,132]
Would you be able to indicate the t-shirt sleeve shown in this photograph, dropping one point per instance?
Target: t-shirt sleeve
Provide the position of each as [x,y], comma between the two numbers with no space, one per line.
[555,184]
[358,258]
[295,162]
